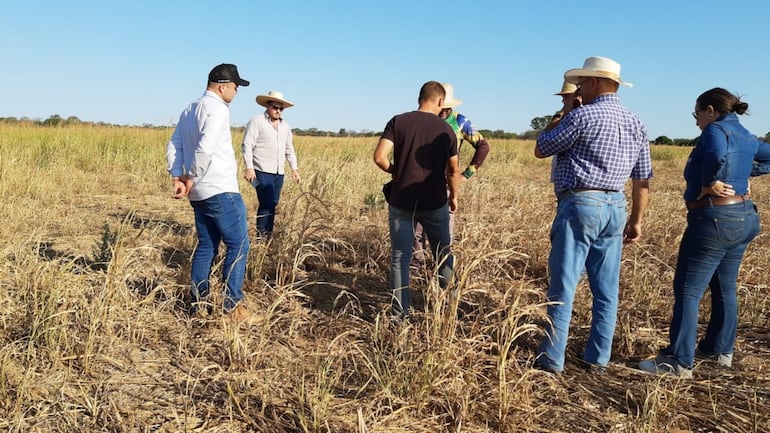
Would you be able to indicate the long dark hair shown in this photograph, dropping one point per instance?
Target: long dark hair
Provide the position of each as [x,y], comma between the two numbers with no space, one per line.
[723,101]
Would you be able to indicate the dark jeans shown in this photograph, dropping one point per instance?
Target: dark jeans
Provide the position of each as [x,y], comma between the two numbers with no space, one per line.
[268,188]
[710,255]
[436,227]
[221,218]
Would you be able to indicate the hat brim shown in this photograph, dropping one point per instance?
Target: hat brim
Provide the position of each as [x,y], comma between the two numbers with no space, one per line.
[451,103]
[264,99]
[573,76]
[241,82]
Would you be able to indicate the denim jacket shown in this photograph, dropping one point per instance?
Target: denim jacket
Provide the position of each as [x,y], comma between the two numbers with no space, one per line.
[728,152]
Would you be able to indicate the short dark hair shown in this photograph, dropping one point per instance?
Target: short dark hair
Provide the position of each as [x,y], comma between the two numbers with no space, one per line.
[722,100]
[431,90]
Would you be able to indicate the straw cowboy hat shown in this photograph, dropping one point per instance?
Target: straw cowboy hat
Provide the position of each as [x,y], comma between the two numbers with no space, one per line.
[567,88]
[449,99]
[273,96]
[600,67]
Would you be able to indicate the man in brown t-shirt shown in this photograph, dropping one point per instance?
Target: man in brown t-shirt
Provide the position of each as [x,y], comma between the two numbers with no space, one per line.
[425,164]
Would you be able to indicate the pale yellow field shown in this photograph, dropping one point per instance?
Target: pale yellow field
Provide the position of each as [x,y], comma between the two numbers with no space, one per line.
[94,335]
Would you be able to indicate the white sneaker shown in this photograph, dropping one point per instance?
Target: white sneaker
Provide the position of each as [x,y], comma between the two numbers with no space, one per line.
[662,365]
[721,359]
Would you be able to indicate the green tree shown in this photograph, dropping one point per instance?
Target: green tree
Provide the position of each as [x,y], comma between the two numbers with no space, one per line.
[663,140]
[538,124]
[54,120]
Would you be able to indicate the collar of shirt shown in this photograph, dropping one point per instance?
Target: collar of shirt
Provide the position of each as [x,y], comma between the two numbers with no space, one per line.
[215,96]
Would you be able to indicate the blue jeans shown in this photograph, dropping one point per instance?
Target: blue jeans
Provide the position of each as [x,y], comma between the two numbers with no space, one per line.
[435,223]
[710,255]
[268,188]
[587,235]
[220,218]
[420,254]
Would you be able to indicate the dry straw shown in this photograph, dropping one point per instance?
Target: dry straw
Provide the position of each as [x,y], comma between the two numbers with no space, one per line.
[89,347]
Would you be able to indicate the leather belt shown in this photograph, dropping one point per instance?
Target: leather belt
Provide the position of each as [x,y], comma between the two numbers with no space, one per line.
[569,192]
[717,201]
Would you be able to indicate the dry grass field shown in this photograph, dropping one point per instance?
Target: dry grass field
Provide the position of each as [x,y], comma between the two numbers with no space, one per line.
[94,335]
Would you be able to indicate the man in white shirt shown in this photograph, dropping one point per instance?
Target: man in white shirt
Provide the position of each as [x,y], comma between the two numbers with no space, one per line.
[267,146]
[202,163]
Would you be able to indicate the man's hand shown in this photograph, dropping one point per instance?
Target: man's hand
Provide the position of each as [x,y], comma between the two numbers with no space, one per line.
[182,186]
[250,175]
[632,233]
[453,204]
[295,176]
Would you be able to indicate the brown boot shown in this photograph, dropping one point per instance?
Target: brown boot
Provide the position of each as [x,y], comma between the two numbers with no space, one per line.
[241,314]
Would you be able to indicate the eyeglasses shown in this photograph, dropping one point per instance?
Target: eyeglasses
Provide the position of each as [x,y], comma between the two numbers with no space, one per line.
[275,107]
[695,114]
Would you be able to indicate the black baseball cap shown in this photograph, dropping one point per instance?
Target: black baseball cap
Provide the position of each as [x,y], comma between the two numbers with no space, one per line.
[226,73]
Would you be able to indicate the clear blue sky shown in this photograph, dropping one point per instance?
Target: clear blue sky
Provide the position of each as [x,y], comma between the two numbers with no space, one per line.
[354,64]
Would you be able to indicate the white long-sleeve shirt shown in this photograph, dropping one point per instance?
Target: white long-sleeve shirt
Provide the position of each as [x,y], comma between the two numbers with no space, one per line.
[202,148]
[266,148]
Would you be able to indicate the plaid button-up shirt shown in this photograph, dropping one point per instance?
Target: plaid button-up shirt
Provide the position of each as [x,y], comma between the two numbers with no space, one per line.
[597,146]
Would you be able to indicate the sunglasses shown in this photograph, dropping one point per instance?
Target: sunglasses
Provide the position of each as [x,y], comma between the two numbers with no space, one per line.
[276,107]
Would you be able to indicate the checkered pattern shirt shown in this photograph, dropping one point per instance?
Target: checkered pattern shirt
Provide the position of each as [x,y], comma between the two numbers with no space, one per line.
[597,146]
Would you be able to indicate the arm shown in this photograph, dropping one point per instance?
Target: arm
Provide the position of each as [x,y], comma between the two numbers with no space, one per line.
[247,148]
[214,125]
[555,119]
[382,155]
[480,155]
[291,156]
[640,197]
[569,102]
[181,183]
[761,160]
[479,143]
[713,141]
[716,189]
[453,177]
[559,139]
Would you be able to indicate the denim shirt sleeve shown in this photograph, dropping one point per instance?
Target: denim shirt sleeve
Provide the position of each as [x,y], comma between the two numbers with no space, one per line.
[761,159]
[714,154]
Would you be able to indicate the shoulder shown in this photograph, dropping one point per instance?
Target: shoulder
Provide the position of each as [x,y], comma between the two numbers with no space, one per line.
[214,107]
[255,123]
[712,134]
[712,128]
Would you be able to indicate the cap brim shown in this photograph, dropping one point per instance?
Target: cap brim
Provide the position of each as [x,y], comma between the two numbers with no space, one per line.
[241,82]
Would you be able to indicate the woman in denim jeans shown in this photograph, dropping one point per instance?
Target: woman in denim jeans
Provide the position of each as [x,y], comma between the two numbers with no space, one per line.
[721,222]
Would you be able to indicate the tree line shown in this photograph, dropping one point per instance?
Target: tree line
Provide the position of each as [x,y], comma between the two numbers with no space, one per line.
[537,125]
